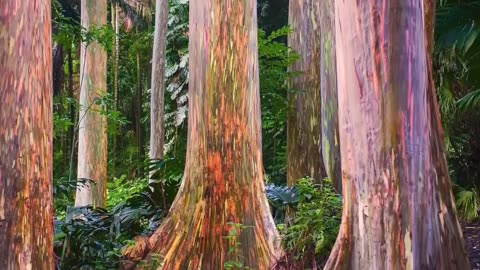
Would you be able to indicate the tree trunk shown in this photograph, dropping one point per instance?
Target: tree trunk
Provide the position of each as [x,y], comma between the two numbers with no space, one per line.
[223,180]
[117,55]
[329,103]
[139,131]
[92,138]
[26,134]
[304,126]
[157,124]
[399,211]
[58,73]
[71,129]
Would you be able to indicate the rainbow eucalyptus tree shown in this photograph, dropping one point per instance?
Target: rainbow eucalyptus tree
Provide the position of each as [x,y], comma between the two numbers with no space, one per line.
[157,125]
[92,137]
[223,180]
[26,134]
[328,94]
[304,144]
[399,212]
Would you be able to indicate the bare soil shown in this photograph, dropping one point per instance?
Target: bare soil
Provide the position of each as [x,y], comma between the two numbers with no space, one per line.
[471,234]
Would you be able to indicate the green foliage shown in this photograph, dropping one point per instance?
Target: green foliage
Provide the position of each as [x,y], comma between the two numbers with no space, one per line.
[316,223]
[468,203]
[95,237]
[274,59]
[457,76]
[120,190]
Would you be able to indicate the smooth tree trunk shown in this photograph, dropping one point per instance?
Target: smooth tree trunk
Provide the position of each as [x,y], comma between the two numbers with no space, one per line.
[329,97]
[117,55]
[223,180]
[157,121]
[139,130]
[71,95]
[92,138]
[26,134]
[304,144]
[399,211]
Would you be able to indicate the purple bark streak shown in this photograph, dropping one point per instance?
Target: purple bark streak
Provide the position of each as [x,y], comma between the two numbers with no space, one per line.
[398,207]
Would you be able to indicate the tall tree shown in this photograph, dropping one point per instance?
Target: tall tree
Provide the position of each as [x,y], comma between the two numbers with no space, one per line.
[304,130]
[329,101]
[223,180]
[398,206]
[26,194]
[157,122]
[92,143]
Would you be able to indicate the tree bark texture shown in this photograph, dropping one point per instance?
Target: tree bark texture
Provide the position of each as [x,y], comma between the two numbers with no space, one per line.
[223,180]
[92,138]
[399,211]
[157,121]
[304,128]
[26,134]
[329,95]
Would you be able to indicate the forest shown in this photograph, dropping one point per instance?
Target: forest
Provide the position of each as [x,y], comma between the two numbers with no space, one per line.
[239,134]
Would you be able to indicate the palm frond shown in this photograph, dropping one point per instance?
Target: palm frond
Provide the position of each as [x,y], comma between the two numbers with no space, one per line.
[470,101]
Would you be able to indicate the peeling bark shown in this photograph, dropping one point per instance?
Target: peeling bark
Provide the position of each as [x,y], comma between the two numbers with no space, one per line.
[26,134]
[399,211]
[92,137]
[157,121]
[223,179]
[329,96]
[304,145]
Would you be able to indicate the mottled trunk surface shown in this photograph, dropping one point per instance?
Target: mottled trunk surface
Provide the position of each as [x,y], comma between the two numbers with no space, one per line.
[157,121]
[223,180]
[329,96]
[304,145]
[399,211]
[92,137]
[26,128]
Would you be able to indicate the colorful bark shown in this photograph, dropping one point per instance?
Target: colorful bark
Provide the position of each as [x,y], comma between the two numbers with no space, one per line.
[329,100]
[26,194]
[92,138]
[223,179]
[399,211]
[157,121]
[304,127]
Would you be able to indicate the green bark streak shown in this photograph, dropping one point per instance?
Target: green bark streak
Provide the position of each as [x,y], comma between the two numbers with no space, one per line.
[304,117]
[329,100]
[26,195]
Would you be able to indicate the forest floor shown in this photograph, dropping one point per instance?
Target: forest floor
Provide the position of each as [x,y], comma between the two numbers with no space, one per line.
[471,234]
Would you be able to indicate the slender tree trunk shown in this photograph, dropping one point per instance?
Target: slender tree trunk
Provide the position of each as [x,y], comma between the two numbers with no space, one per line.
[58,74]
[223,179]
[117,53]
[71,129]
[329,104]
[398,205]
[92,138]
[157,122]
[304,116]
[138,115]
[26,134]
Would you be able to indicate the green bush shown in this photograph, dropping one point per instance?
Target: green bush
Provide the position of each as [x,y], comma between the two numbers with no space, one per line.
[467,203]
[315,225]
